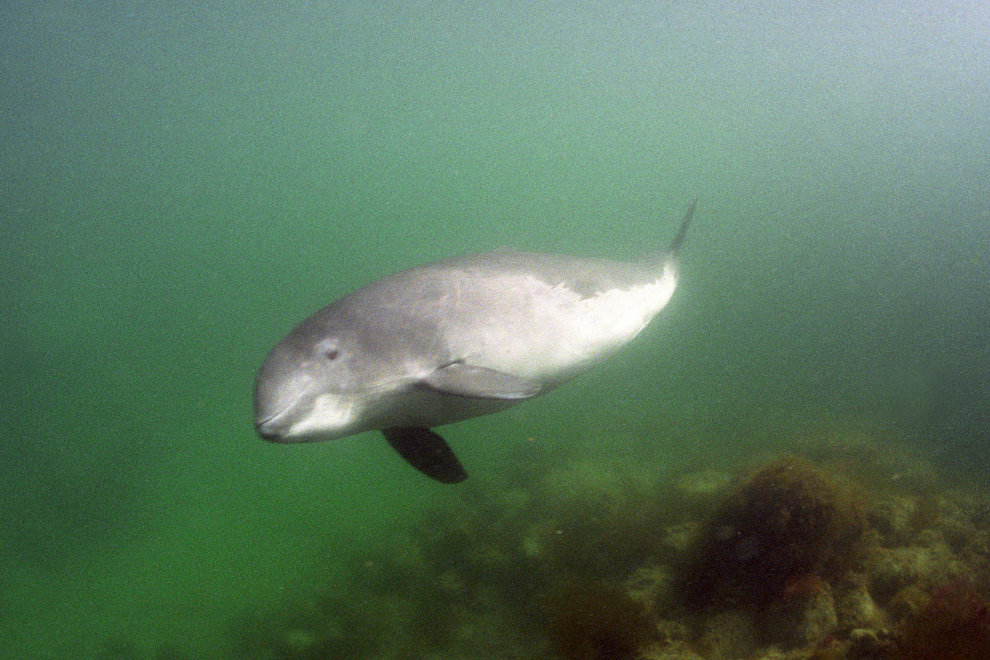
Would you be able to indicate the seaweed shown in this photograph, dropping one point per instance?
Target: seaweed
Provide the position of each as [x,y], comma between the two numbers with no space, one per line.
[955,623]
[590,621]
[786,522]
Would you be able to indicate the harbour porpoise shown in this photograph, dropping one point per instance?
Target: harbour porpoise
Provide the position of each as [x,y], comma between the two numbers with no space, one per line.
[451,340]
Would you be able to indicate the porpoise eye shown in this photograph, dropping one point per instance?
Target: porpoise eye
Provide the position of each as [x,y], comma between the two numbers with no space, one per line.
[331,353]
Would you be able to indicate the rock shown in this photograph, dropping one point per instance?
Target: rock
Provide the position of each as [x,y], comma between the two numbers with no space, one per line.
[891,516]
[907,602]
[729,634]
[671,631]
[955,520]
[854,605]
[785,521]
[678,539]
[896,568]
[867,644]
[675,651]
[802,617]
[651,587]
[976,553]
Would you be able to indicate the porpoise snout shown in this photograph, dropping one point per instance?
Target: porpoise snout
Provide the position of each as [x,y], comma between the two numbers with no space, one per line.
[281,385]
[275,412]
[269,428]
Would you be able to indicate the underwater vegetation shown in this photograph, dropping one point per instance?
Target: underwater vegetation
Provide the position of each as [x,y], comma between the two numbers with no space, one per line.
[310,629]
[954,623]
[834,552]
[590,621]
[781,530]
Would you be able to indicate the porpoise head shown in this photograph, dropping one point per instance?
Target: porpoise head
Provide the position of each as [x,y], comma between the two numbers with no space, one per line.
[310,386]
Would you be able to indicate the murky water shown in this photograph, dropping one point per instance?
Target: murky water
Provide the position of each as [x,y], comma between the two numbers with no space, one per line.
[180,185]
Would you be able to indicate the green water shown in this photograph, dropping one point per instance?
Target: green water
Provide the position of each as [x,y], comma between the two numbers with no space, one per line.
[180,184]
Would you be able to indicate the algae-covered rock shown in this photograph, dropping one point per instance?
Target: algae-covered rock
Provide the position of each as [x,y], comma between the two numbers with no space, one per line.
[897,568]
[892,515]
[782,564]
[729,634]
[954,623]
[651,586]
[802,615]
[868,644]
[677,540]
[785,521]
[599,521]
[591,621]
[854,605]
[672,651]
[907,602]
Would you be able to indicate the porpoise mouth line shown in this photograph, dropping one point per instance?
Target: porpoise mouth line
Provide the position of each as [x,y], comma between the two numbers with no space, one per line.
[267,433]
[268,418]
[260,423]
[282,411]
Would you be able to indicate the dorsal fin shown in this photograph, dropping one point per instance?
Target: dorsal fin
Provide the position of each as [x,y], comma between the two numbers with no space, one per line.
[675,245]
[669,256]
